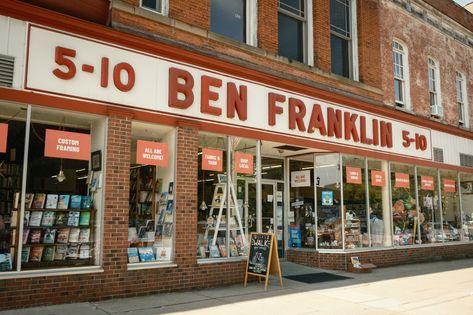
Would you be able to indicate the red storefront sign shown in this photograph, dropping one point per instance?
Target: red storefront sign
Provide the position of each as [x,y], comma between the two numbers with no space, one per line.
[3,137]
[151,153]
[67,145]
[378,178]
[449,185]
[401,180]
[353,175]
[212,160]
[244,163]
[426,183]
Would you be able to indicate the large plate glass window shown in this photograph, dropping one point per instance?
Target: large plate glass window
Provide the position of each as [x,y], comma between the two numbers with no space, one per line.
[466,191]
[430,215]
[354,202]
[407,223]
[63,190]
[151,201]
[451,213]
[292,22]
[329,215]
[12,144]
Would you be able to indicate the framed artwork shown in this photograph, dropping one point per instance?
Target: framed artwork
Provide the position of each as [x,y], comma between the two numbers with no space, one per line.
[466,187]
[96,161]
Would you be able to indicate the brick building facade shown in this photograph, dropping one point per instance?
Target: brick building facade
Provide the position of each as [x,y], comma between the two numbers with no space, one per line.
[126,74]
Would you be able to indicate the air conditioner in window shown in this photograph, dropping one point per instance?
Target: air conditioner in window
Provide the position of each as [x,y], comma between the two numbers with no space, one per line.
[436,110]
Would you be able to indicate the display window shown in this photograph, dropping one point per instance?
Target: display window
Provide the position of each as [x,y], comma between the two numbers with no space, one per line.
[379,205]
[430,214]
[12,145]
[302,228]
[354,202]
[329,209]
[408,223]
[50,211]
[466,197]
[151,200]
[451,213]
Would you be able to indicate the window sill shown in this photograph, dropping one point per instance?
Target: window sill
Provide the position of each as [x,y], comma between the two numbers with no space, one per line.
[50,272]
[205,261]
[151,265]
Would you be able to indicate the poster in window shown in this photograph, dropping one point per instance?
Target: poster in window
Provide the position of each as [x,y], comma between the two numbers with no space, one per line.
[151,153]
[353,175]
[426,183]
[449,185]
[300,178]
[244,163]
[327,198]
[212,160]
[67,145]
[378,178]
[3,137]
[401,180]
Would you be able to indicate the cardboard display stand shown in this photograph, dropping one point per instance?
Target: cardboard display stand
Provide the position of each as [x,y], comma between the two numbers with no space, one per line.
[263,259]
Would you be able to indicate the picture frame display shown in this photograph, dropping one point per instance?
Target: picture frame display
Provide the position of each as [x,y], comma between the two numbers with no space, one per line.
[96,161]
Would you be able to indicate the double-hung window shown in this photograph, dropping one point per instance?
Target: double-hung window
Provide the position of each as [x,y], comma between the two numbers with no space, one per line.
[228,18]
[292,29]
[160,6]
[461,97]
[400,74]
[342,39]
[434,88]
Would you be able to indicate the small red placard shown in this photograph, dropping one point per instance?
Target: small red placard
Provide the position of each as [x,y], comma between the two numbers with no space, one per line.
[426,183]
[67,145]
[449,185]
[378,178]
[3,137]
[353,175]
[401,180]
[212,160]
[244,163]
[151,153]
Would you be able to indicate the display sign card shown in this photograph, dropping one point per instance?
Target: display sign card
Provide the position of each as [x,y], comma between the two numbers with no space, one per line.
[327,198]
[449,185]
[151,153]
[3,137]
[300,178]
[67,145]
[353,175]
[427,183]
[401,180]
[378,178]
[244,163]
[212,160]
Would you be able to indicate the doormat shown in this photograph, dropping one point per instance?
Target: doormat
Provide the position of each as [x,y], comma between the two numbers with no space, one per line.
[317,277]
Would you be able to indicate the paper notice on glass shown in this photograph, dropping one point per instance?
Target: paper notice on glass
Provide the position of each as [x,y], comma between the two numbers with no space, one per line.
[290,216]
[270,198]
[278,196]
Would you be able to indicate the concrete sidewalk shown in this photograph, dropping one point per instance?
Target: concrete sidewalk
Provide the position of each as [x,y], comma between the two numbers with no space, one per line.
[431,288]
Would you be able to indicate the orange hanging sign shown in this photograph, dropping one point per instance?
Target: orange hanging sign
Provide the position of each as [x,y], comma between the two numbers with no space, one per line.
[401,180]
[449,185]
[67,145]
[426,183]
[212,160]
[378,178]
[244,163]
[151,153]
[353,175]
[3,137]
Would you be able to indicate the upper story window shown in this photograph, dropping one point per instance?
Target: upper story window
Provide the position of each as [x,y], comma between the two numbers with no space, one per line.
[401,75]
[160,6]
[295,29]
[434,89]
[343,37]
[228,18]
[461,99]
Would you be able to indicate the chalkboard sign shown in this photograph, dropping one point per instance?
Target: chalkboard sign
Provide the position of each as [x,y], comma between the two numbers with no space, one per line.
[263,258]
[260,250]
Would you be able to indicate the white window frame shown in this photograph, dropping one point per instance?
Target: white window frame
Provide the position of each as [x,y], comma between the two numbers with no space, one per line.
[353,42]
[308,30]
[164,10]
[252,22]
[462,99]
[404,54]
[434,82]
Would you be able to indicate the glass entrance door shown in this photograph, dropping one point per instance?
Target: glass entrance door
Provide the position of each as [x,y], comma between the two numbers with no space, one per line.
[272,212]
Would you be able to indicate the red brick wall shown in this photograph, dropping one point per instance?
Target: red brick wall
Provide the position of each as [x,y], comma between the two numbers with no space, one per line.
[321,18]
[116,281]
[268,25]
[193,12]
[421,41]
[381,258]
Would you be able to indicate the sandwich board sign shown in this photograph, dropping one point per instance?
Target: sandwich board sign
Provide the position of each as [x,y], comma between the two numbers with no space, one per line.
[263,259]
